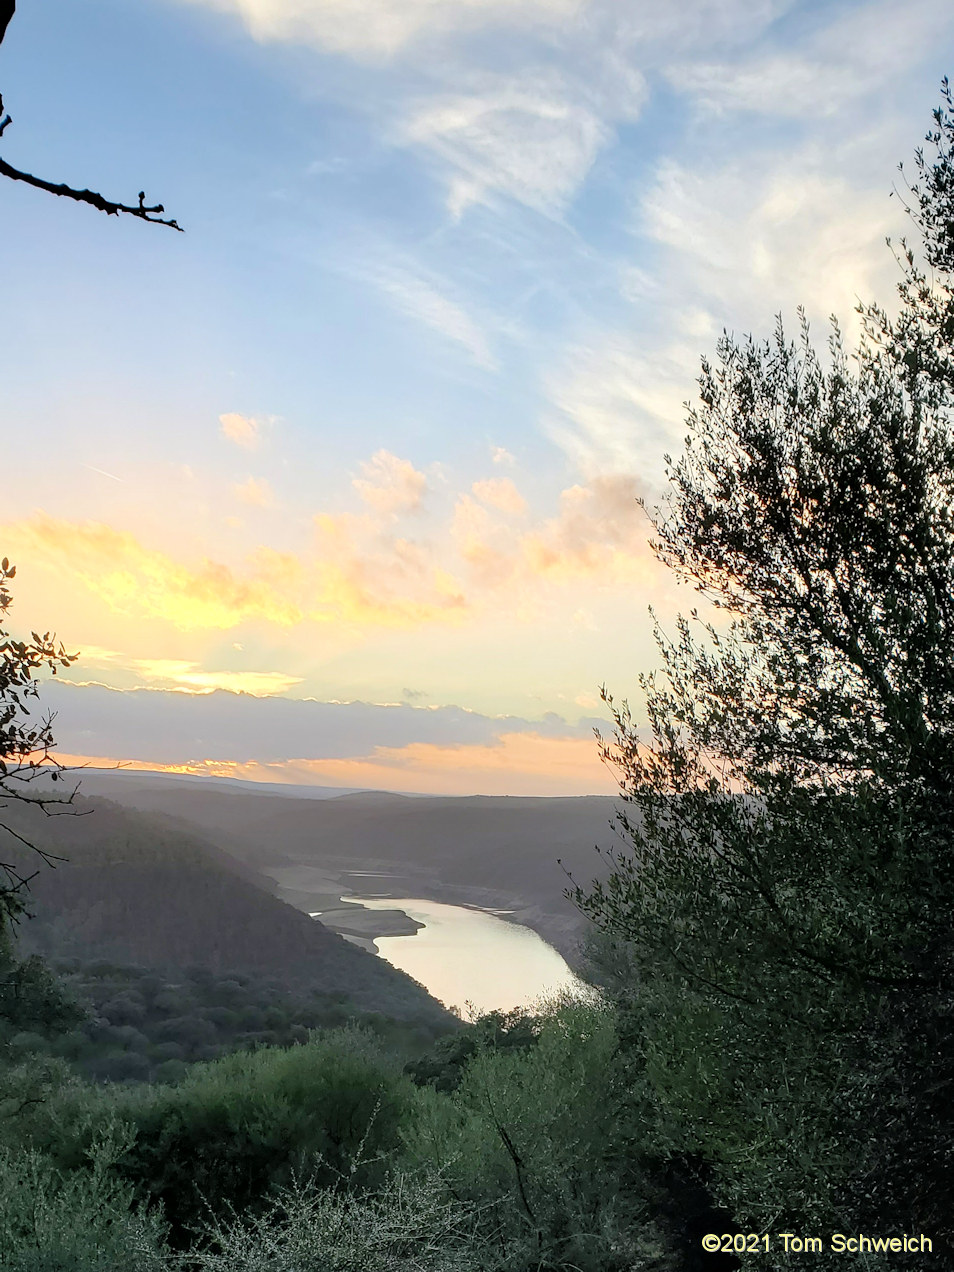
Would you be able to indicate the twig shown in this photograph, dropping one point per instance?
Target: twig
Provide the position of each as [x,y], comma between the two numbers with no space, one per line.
[95,200]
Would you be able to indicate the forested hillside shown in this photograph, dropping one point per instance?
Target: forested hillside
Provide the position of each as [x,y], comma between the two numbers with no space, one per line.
[482,850]
[137,889]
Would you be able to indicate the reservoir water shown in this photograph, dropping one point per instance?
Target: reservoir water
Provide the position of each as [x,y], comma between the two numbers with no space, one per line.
[464,956]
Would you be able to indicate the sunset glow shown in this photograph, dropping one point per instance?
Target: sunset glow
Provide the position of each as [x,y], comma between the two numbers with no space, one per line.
[370,436]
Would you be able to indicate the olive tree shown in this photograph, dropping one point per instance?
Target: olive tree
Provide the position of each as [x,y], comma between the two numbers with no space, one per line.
[785,892]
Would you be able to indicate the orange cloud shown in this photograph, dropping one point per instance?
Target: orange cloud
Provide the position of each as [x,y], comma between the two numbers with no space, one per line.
[365,578]
[485,544]
[599,535]
[390,485]
[501,494]
[600,532]
[254,492]
[358,574]
[515,764]
[243,430]
[132,579]
[190,678]
[345,595]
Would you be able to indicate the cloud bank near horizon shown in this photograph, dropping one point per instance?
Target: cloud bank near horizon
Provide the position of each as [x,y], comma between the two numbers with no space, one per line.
[397,746]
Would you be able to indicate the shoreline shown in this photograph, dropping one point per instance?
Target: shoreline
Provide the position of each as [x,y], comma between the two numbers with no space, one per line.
[324,892]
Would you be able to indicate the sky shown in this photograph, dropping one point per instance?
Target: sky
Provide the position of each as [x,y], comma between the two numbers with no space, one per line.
[340,485]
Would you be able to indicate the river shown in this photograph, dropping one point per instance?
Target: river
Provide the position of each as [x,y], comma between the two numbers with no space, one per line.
[468,957]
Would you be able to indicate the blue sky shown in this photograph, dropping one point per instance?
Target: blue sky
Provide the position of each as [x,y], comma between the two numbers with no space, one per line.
[371,431]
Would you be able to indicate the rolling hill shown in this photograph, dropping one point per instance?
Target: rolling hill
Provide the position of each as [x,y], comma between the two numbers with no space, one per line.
[140,888]
[498,852]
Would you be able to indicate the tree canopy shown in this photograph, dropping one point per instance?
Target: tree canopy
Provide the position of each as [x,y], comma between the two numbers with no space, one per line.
[785,893]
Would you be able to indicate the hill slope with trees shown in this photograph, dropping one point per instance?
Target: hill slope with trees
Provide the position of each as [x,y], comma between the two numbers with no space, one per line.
[498,852]
[136,889]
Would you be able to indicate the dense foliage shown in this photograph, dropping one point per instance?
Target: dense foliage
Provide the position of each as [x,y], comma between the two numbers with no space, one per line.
[115,1023]
[786,897]
[325,1155]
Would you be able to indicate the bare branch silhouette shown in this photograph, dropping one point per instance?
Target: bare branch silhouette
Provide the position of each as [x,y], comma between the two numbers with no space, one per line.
[90,196]
[111,207]
[7,10]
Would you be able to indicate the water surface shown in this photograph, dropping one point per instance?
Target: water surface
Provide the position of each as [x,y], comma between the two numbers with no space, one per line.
[464,955]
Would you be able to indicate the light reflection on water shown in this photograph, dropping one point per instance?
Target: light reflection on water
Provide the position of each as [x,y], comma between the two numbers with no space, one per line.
[469,956]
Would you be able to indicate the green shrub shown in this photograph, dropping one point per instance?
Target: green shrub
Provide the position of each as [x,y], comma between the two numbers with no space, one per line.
[26,1041]
[124,1009]
[26,1092]
[412,1225]
[127,1036]
[222,1017]
[170,1071]
[230,1130]
[533,1138]
[83,1221]
[443,1064]
[190,1031]
[70,1045]
[120,1066]
[168,1051]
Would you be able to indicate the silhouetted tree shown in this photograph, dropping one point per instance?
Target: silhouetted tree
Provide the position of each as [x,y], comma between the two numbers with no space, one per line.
[7,9]
[25,745]
[787,892]
[109,206]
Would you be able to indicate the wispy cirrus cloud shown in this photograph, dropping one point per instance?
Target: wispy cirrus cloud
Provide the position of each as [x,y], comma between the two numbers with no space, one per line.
[730,240]
[617,402]
[383,29]
[427,301]
[524,127]
[522,115]
[793,232]
[531,138]
[833,65]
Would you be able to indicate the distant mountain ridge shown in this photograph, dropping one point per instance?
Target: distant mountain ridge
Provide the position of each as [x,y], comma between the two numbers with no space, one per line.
[494,851]
[106,781]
